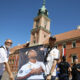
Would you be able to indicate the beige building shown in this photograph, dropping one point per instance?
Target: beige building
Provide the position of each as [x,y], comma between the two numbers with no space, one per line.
[41,27]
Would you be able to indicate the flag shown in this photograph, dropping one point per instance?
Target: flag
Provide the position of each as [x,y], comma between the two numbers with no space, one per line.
[64,52]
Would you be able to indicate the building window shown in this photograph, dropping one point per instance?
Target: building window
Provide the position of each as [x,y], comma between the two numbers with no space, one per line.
[45,24]
[73,57]
[34,41]
[44,36]
[64,45]
[37,23]
[74,44]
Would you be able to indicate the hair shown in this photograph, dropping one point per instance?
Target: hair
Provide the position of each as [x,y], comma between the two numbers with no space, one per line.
[52,38]
[29,52]
[7,40]
[64,58]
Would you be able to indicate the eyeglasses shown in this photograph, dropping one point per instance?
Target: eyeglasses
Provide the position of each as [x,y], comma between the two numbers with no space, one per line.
[9,42]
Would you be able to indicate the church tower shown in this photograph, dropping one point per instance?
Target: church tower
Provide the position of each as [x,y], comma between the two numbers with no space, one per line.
[41,27]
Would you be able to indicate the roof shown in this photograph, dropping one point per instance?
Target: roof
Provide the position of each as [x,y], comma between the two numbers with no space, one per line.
[12,50]
[66,36]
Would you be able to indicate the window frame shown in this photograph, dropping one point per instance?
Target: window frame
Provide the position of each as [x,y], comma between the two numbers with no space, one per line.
[63,45]
[73,55]
[73,44]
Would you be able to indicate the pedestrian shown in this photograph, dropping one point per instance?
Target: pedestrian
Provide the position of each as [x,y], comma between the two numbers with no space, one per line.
[76,70]
[64,69]
[52,58]
[4,55]
[58,71]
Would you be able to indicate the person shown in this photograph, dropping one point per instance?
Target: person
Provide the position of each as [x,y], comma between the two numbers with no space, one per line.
[76,70]
[4,54]
[58,71]
[51,60]
[33,70]
[64,69]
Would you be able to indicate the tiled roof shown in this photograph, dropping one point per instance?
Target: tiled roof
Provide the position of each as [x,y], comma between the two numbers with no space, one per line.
[18,47]
[68,35]
[65,36]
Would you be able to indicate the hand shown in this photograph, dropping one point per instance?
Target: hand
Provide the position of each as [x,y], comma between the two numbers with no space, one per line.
[39,70]
[11,77]
[36,71]
[33,71]
[48,77]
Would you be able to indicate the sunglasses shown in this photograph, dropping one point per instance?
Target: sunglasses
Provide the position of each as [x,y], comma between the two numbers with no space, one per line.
[9,42]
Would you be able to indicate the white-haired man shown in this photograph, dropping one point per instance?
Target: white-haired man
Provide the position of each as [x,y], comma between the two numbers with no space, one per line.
[4,54]
[33,70]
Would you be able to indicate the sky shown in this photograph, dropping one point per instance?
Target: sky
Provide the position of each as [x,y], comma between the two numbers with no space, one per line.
[17,17]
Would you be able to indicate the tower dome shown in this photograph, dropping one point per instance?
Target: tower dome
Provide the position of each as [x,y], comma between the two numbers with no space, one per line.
[43,10]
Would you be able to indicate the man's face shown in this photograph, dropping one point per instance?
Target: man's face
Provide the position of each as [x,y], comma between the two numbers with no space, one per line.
[76,61]
[51,43]
[8,43]
[32,55]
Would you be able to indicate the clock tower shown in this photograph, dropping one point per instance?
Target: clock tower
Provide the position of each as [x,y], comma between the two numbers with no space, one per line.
[41,27]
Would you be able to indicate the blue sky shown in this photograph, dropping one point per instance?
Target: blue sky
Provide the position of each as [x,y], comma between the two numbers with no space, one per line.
[16,17]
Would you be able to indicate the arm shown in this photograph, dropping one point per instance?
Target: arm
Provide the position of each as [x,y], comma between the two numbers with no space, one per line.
[23,75]
[54,66]
[4,59]
[8,70]
[52,69]
[78,70]
[41,69]
[69,69]
[37,71]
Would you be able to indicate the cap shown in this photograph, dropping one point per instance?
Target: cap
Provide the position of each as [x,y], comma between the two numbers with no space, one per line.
[52,38]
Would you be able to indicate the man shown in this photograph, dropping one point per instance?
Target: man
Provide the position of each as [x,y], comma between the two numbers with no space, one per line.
[33,70]
[52,58]
[64,68]
[76,70]
[4,54]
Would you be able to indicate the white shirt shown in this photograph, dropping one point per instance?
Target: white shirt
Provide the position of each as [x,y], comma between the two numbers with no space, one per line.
[4,54]
[54,54]
[27,68]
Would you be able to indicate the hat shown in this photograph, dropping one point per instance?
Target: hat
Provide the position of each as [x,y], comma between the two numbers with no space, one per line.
[52,38]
